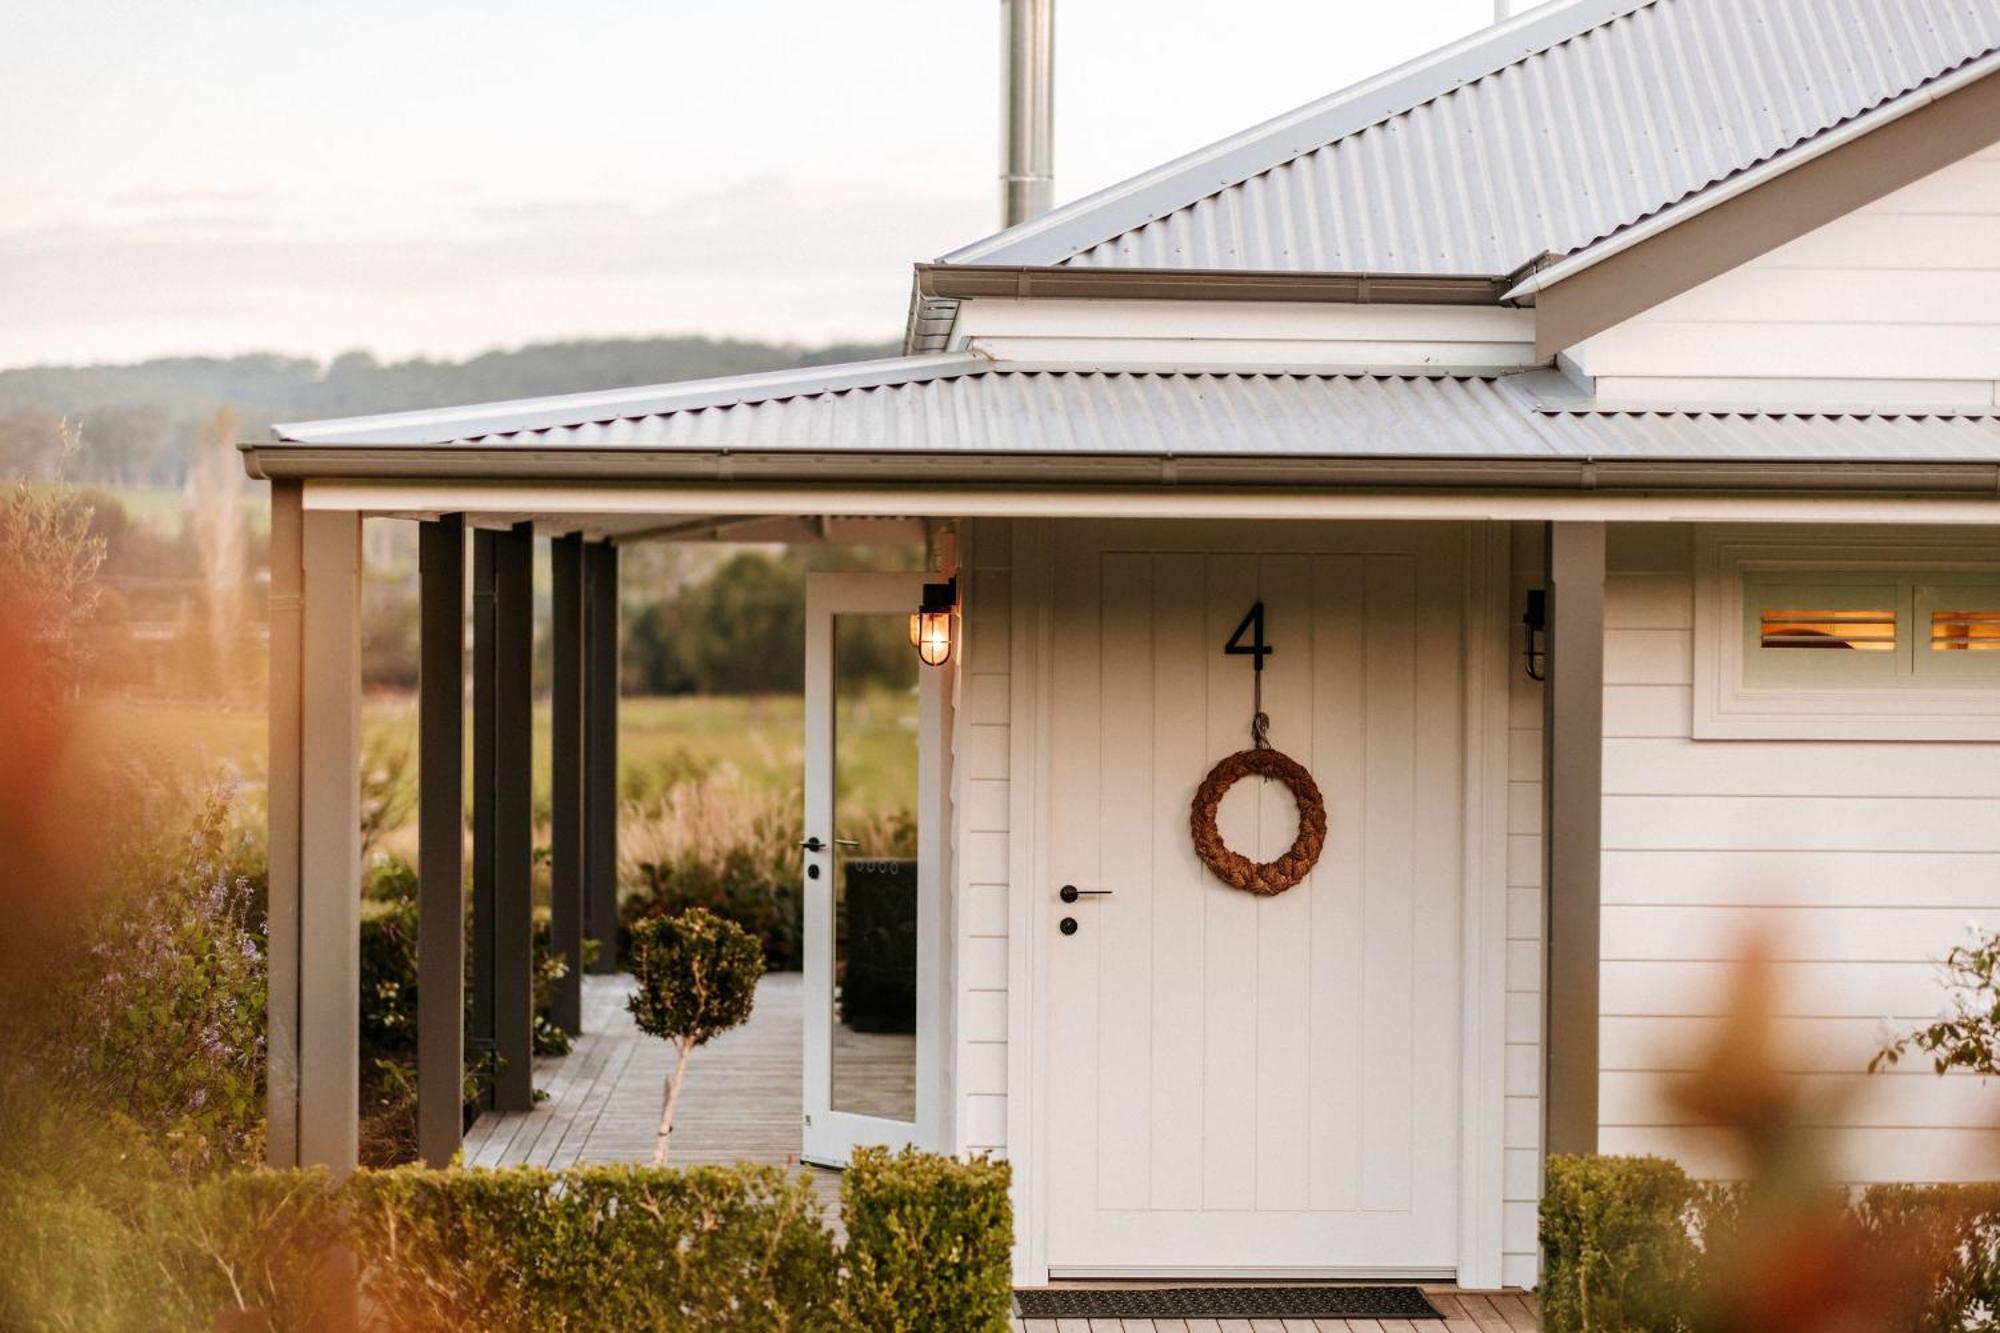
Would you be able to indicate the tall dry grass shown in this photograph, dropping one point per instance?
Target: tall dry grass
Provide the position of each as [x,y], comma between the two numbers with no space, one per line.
[712,839]
[707,817]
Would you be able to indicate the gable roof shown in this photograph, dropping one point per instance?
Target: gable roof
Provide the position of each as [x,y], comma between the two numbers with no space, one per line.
[1535,137]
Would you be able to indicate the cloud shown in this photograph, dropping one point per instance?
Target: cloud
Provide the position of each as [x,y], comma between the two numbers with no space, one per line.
[781,256]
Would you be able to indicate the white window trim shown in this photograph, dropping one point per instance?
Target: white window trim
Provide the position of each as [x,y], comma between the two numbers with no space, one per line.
[1726,709]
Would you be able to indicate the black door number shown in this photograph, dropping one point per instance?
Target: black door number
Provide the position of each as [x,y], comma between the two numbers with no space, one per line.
[1253,625]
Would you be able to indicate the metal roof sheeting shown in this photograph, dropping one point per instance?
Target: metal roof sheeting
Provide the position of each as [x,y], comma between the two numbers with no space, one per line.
[1486,157]
[962,405]
[1095,412]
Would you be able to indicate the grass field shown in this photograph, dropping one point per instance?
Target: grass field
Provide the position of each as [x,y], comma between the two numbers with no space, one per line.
[660,740]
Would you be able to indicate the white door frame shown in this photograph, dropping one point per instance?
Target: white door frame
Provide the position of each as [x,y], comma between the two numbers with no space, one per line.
[829,1136]
[1482,1103]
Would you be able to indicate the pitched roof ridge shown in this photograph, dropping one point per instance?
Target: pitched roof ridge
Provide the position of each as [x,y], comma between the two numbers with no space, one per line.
[1428,78]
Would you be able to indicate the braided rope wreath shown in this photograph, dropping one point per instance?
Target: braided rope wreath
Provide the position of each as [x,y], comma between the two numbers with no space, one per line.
[1265,878]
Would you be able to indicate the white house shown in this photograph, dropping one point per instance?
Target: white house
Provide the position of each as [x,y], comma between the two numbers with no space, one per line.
[1684,314]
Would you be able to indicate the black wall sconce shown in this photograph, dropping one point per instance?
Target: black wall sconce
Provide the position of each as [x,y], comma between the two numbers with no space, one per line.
[930,624]
[1535,620]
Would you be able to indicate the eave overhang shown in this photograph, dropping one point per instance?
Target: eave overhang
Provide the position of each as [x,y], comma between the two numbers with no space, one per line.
[889,472]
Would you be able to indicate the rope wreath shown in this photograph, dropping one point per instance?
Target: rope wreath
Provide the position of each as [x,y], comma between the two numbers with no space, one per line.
[1265,878]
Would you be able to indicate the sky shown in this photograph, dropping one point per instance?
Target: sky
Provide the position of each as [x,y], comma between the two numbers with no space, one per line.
[441,177]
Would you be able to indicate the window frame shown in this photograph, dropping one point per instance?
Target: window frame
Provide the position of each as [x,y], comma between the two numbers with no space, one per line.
[1913,706]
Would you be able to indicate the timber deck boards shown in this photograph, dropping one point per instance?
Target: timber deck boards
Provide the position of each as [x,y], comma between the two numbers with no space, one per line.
[741,1103]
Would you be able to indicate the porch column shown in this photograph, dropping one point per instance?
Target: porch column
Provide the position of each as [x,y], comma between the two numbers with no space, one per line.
[315,870]
[441,841]
[281,1043]
[1573,737]
[483,858]
[600,752]
[513,813]
[566,831]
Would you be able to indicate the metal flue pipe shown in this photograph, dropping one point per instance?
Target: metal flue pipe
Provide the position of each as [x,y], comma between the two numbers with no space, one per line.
[1027,168]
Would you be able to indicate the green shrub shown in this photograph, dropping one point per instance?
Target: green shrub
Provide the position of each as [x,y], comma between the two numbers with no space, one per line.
[929,1243]
[389,960]
[243,1240]
[68,1262]
[605,1248]
[1952,1231]
[746,886]
[1626,1244]
[1619,1247]
[165,1254]
[389,1012]
[610,1248]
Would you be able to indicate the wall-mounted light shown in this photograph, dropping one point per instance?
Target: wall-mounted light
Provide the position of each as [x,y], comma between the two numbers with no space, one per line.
[930,624]
[1536,621]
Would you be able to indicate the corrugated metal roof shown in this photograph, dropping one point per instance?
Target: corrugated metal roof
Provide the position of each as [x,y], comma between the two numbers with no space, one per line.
[963,405]
[1538,137]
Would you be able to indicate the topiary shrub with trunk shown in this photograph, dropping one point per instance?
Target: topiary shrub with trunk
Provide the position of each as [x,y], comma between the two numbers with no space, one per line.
[697,976]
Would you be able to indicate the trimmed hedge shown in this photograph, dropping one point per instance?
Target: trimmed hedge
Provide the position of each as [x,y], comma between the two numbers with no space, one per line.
[734,1248]
[172,1256]
[929,1243]
[611,1248]
[1626,1244]
[1619,1245]
[1956,1229]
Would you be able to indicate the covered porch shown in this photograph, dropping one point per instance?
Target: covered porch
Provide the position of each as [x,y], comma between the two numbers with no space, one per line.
[1533,486]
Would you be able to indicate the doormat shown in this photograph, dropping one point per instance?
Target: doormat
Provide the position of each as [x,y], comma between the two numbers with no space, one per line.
[1224,1303]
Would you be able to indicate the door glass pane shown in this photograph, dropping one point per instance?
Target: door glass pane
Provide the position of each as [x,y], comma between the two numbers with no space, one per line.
[875,867]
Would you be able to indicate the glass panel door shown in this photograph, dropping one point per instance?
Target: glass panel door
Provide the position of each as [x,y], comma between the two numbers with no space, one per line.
[871,883]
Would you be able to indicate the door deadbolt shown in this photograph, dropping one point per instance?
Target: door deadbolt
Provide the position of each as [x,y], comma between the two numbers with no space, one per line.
[1067,925]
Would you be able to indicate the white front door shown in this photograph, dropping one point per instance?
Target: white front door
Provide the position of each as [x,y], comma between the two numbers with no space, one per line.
[1240,1084]
[872,868]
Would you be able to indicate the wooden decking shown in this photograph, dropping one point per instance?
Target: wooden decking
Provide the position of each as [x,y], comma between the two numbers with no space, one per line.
[742,1103]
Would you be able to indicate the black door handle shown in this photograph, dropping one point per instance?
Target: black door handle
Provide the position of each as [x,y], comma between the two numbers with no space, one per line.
[1069,893]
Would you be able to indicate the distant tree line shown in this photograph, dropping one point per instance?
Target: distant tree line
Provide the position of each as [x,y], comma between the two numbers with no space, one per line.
[734,624]
[741,630]
[140,422]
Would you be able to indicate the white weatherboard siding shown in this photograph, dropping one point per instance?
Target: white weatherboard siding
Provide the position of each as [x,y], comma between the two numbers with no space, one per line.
[982,800]
[1268,335]
[1897,303]
[1522,1176]
[1863,861]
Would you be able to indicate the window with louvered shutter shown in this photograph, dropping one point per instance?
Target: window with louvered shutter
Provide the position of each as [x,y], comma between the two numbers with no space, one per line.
[1846,633]
[1920,628]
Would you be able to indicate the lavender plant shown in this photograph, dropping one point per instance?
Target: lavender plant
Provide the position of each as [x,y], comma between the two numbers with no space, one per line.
[164,1022]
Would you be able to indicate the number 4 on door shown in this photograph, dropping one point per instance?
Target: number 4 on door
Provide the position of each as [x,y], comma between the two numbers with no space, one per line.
[1253,623]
